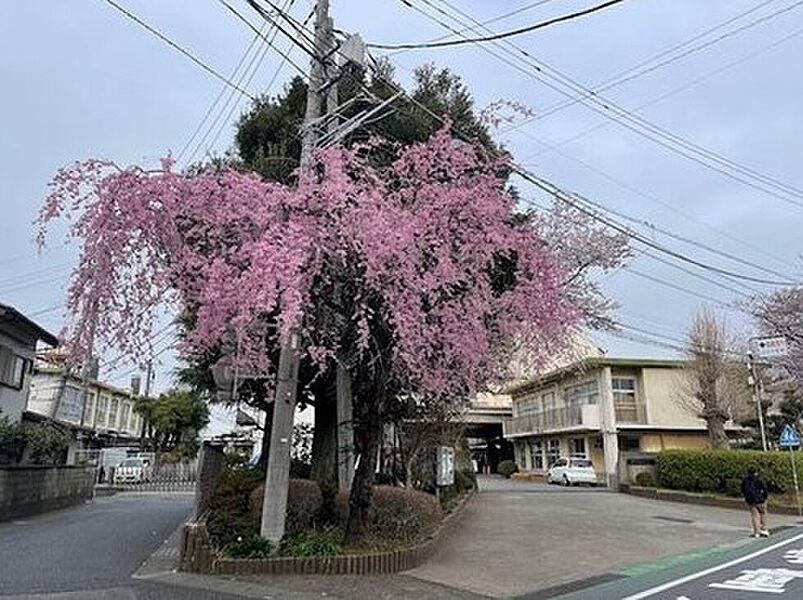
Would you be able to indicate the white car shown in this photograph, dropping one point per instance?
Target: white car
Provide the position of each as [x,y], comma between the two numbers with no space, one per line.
[572,471]
[132,470]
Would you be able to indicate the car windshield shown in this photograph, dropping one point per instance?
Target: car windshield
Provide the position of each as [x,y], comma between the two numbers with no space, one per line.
[131,462]
[579,462]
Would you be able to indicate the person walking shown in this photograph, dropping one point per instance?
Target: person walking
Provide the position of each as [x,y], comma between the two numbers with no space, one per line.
[755,495]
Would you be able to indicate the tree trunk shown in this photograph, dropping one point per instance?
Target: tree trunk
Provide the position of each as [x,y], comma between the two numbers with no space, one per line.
[368,435]
[324,436]
[716,432]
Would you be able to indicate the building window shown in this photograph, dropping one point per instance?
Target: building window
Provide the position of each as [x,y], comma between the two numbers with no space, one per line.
[89,409]
[578,447]
[527,405]
[548,400]
[125,410]
[537,455]
[552,451]
[113,406]
[101,414]
[13,368]
[132,422]
[580,395]
[624,399]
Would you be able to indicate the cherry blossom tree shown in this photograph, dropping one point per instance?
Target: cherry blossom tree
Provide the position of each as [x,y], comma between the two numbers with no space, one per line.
[414,275]
[781,314]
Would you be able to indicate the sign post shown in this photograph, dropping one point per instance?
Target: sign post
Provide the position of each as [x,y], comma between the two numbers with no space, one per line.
[790,439]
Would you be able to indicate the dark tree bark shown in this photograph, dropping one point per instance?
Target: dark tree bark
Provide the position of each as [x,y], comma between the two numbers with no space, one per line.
[367,436]
[324,439]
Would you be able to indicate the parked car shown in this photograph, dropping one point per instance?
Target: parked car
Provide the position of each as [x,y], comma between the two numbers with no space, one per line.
[133,470]
[572,471]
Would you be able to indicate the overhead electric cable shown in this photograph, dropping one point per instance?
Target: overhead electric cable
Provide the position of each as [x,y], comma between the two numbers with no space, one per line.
[176,47]
[498,36]
[639,125]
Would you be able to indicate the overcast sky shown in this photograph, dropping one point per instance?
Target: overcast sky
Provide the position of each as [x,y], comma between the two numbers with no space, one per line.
[80,80]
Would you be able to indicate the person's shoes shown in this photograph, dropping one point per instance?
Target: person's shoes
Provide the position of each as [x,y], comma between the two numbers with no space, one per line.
[764,533]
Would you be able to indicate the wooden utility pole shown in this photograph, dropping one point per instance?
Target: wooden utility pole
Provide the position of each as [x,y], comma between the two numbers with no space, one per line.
[274,505]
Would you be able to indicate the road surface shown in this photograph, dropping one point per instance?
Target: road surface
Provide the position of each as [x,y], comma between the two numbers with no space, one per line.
[89,552]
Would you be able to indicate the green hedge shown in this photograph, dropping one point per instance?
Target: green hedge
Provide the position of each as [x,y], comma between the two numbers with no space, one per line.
[721,471]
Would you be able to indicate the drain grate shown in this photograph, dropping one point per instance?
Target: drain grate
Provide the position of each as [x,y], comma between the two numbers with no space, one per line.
[673,519]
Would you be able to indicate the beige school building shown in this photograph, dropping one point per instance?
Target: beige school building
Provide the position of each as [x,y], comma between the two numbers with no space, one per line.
[616,412]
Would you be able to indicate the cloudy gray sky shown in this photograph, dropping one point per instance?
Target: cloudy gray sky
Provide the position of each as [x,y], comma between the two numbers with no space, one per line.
[80,80]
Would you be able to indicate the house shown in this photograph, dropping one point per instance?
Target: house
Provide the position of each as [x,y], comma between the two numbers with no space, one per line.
[106,419]
[18,338]
[607,410]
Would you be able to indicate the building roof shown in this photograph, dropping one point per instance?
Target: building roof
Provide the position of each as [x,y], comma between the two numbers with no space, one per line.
[592,362]
[74,377]
[10,315]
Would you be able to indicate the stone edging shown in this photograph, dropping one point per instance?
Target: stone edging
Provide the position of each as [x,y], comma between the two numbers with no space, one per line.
[198,556]
[694,498]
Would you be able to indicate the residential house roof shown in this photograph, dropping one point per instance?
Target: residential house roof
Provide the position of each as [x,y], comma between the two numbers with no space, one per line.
[10,315]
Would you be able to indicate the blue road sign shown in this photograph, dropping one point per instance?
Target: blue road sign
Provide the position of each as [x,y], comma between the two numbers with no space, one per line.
[789,437]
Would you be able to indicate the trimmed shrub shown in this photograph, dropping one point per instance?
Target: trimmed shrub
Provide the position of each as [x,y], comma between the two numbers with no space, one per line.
[645,479]
[304,503]
[507,468]
[398,516]
[230,521]
[721,471]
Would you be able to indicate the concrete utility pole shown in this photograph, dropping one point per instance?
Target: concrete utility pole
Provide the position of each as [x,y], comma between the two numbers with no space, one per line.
[274,505]
[755,381]
[610,437]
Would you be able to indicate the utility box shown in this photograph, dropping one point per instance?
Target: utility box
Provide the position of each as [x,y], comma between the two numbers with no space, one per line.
[445,466]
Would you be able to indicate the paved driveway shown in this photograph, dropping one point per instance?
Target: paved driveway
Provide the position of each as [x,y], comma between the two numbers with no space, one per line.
[517,538]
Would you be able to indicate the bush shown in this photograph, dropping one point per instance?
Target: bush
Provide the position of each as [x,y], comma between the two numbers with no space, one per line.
[645,479]
[721,471]
[40,443]
[230,521]
[465,481]
[304,504]
[327,541]
[507,468]
[398,516]
[250,546]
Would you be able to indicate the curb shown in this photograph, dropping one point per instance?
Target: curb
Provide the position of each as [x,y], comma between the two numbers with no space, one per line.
[198,556]
[701,499]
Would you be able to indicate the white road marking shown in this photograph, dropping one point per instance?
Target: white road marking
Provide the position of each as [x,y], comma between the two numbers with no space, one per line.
[693,576]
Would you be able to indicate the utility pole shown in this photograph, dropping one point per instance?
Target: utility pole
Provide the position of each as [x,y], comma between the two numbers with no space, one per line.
[755,381]
[148,376]
[274,505]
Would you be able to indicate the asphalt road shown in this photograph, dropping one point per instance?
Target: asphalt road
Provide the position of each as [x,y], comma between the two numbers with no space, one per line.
[90,551]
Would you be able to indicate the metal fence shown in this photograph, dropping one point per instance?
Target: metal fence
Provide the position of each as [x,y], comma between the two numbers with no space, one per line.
[159,477]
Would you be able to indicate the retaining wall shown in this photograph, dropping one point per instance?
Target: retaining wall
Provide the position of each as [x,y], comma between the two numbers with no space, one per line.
[29,490]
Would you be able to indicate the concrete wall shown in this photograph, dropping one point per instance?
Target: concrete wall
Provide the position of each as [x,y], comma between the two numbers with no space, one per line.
[665,391]
[655,442]
[12,401]
[27,491]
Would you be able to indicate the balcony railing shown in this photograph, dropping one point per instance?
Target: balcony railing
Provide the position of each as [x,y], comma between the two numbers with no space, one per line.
[587,415]
[555,419]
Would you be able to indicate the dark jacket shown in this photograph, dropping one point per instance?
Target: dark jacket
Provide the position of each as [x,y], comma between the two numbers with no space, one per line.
[754,490]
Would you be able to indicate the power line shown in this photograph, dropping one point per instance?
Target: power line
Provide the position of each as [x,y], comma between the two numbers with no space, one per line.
[560,82]
[258,59]
[497,36]
[178,48]
[654,62]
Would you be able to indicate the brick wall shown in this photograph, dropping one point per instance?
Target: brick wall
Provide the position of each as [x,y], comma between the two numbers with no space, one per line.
[30,490]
